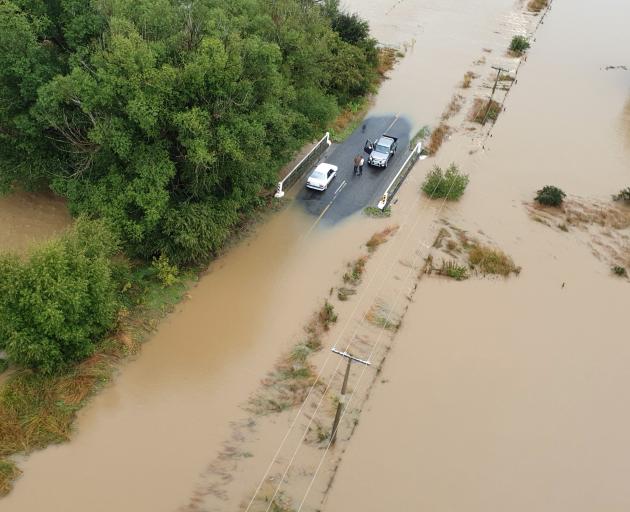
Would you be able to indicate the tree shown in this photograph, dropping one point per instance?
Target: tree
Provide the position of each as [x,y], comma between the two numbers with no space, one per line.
[550,196]
[55,306]
[170,120]
[449,184]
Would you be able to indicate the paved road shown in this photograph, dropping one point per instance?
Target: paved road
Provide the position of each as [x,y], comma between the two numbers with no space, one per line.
[347,193]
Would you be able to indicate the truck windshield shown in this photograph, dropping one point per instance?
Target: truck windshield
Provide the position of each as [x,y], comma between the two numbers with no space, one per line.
[379,148]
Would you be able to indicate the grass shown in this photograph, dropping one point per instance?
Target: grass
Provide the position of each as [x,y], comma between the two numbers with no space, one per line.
[8,473]
[437,138]
[454,106]
[377,213]
[380,316]
[453,270]
[537,5]
[468,78]
[343,294]
[4,365]
[327,315]
[355,271]
[420,135]
[491,261]
[380,238]
[387,58]
[519,45]
[349,118]
[483,110]
[38,410]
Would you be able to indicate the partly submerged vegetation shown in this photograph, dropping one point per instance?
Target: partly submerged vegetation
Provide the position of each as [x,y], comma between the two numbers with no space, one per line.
[550,196]
[623,195]
[448,184]
[519,45]
[537,5]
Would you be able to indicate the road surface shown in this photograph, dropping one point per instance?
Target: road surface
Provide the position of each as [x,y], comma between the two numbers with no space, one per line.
[347,193]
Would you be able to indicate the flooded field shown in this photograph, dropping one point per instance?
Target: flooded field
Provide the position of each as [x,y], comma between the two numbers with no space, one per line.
[496,394]
[507,395]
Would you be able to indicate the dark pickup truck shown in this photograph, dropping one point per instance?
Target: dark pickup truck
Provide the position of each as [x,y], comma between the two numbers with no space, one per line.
[382,150]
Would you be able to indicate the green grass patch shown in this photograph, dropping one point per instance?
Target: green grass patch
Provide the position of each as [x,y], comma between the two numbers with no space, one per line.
[420,135]
[491,261]
[377,213]
[519,45]
[8,473]
[355,271]
[453,270]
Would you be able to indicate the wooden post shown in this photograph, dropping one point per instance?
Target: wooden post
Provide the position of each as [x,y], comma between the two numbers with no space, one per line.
[344,387]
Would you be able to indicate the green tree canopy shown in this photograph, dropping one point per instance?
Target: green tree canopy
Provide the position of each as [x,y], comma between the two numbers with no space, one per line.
[170,118]
[59,302]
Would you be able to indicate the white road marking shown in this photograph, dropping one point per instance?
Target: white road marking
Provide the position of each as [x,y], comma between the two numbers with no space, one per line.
[343,184]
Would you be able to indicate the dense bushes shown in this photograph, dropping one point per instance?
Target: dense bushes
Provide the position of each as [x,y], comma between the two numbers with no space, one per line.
[550,196]
[169,119]
[57,304]
[449,184]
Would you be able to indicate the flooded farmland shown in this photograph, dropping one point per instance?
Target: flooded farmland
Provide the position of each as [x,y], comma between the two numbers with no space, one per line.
[495,394]
[508,395]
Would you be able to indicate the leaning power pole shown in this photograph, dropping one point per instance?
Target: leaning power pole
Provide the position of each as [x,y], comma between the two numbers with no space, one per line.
[342,397]
[494,88]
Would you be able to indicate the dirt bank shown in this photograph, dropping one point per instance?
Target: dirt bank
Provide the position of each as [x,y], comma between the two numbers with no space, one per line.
[508,394]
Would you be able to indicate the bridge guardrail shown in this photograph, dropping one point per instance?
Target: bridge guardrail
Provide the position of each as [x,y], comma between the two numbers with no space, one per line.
[400,177]
[306,162]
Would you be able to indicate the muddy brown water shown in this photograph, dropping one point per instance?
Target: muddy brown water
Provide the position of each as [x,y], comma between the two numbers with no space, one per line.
[509,395]
[144,441]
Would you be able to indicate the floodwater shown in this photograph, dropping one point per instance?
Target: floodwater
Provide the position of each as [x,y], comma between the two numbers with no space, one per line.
[27,218]
[510,395]
[143,442]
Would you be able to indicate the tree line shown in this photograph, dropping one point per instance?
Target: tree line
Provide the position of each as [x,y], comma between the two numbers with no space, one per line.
[170,118]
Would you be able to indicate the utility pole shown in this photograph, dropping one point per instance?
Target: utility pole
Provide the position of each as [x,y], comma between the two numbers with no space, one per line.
[494,88]
[342,397]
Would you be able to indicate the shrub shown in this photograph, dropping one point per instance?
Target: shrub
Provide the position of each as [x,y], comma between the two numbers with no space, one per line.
[166,273]
[4,364]
[619,271]
[623,195]
[58,303]
[449,184]
[453,270]
[519,45]
[327,315]
[550,196]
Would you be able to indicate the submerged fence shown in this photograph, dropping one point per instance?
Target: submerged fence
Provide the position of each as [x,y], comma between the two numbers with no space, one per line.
[306,162]
[400,177]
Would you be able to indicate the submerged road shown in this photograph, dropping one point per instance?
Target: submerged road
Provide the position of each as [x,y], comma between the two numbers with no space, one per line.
[347,193]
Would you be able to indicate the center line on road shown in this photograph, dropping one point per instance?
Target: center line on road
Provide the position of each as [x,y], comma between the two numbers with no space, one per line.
[343,184]
[393,123]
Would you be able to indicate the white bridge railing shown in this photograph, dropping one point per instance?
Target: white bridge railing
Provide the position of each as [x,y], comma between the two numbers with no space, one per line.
[306,162]
[400,177]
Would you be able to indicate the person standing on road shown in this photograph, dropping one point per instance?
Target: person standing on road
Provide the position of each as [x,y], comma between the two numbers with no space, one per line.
[361,162]
[357,163]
